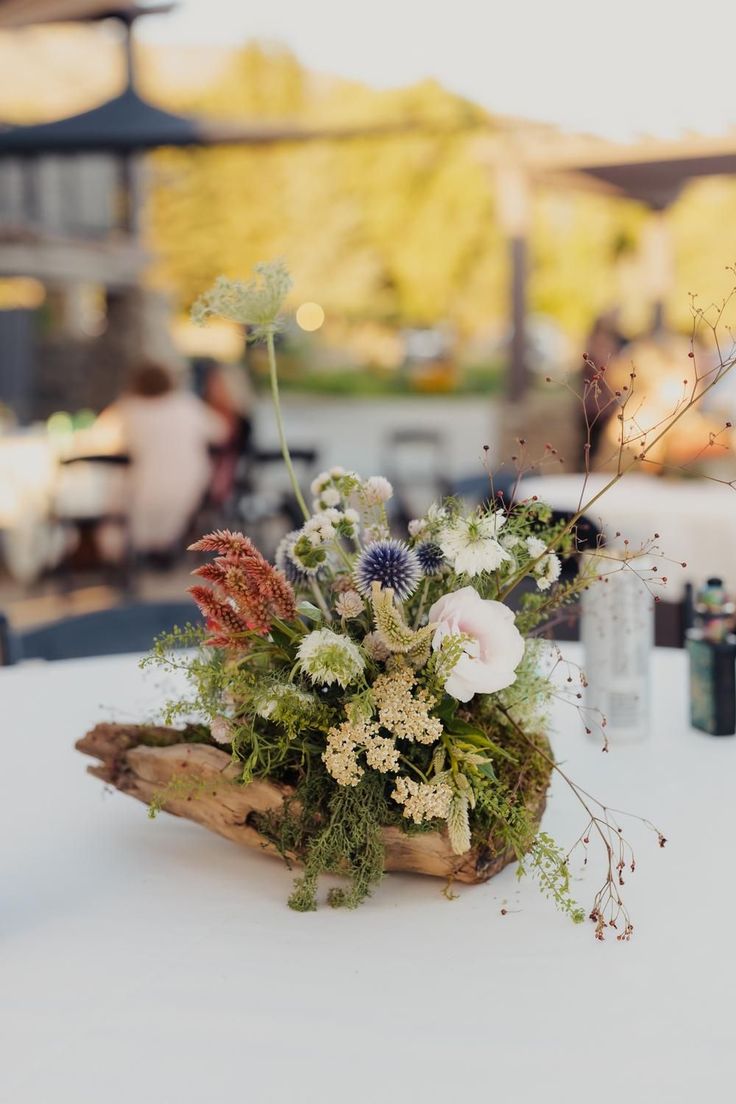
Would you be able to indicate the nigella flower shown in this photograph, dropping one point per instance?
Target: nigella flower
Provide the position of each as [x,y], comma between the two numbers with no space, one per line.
[471,544]
[431,557]
[390,563]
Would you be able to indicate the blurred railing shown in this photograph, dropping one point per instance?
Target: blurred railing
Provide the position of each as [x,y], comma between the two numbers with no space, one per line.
[69,197]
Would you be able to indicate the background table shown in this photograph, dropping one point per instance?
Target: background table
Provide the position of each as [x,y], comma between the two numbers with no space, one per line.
[151,961]
[696,520]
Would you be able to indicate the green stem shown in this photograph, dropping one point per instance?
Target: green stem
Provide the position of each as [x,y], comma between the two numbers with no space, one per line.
[319,598]
[422,603]
[280,423]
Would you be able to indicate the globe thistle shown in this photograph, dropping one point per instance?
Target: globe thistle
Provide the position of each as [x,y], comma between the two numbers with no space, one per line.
[328,657]
[391,564]
[431,557]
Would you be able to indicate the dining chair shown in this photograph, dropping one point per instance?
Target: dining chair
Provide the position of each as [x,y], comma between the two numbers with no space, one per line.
[127,628]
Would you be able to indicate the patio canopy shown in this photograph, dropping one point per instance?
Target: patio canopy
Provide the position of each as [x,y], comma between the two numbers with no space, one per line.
[653,172]
[23,13]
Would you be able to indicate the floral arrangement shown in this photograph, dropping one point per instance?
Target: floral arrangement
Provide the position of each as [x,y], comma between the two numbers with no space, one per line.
[394,683]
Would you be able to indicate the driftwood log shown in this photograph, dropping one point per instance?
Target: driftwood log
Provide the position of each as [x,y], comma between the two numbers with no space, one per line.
[199,782]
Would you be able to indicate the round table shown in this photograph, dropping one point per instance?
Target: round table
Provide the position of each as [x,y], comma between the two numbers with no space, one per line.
[152,961]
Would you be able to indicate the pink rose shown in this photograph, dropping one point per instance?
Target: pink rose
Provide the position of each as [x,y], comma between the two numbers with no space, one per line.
[494,646]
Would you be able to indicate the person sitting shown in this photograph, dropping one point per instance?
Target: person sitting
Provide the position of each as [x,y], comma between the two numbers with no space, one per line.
[167,432]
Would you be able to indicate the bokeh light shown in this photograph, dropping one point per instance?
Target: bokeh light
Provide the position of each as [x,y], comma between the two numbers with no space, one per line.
[310,316]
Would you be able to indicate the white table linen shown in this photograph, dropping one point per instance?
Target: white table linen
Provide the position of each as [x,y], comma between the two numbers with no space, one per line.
[147,962]
[696,520]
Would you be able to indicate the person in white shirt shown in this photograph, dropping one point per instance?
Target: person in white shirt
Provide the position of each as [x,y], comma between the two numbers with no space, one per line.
[168,433]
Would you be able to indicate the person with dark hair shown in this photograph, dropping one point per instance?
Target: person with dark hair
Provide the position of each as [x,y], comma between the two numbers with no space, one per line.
[167,432]
[226,390]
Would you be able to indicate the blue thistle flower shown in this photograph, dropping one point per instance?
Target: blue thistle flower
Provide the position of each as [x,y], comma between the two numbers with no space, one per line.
[431,557]
[390,563]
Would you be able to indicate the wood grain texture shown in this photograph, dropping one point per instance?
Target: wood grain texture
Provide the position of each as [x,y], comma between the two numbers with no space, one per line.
[199,782]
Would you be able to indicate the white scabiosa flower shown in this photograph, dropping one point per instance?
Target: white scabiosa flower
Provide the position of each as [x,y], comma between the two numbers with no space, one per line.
[328,657]
[376,491]
[284,562]
[548,570]
[471,544]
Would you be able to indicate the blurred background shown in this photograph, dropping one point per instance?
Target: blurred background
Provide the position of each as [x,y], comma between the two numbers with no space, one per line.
[468,201]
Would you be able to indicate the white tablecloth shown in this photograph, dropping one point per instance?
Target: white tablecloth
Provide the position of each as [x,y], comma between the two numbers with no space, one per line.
[148,962]
[696,520]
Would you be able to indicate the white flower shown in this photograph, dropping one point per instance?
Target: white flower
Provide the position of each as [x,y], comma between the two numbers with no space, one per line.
[331,497]
[336,472]
[549,567]
[352,516]
[373,533]
[221,730]
[417,526]
[256,304]
[328,657]
[471,545]
[377,490]
[423,800]
[492,645]
[535,546]
[349,604]
[319,483]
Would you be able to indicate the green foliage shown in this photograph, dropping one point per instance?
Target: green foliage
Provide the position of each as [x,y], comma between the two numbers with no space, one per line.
[548,864]
[401,229]
[349,843]
[181,787]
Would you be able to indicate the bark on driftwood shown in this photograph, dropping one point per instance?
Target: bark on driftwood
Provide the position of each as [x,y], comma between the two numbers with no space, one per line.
[199,782]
